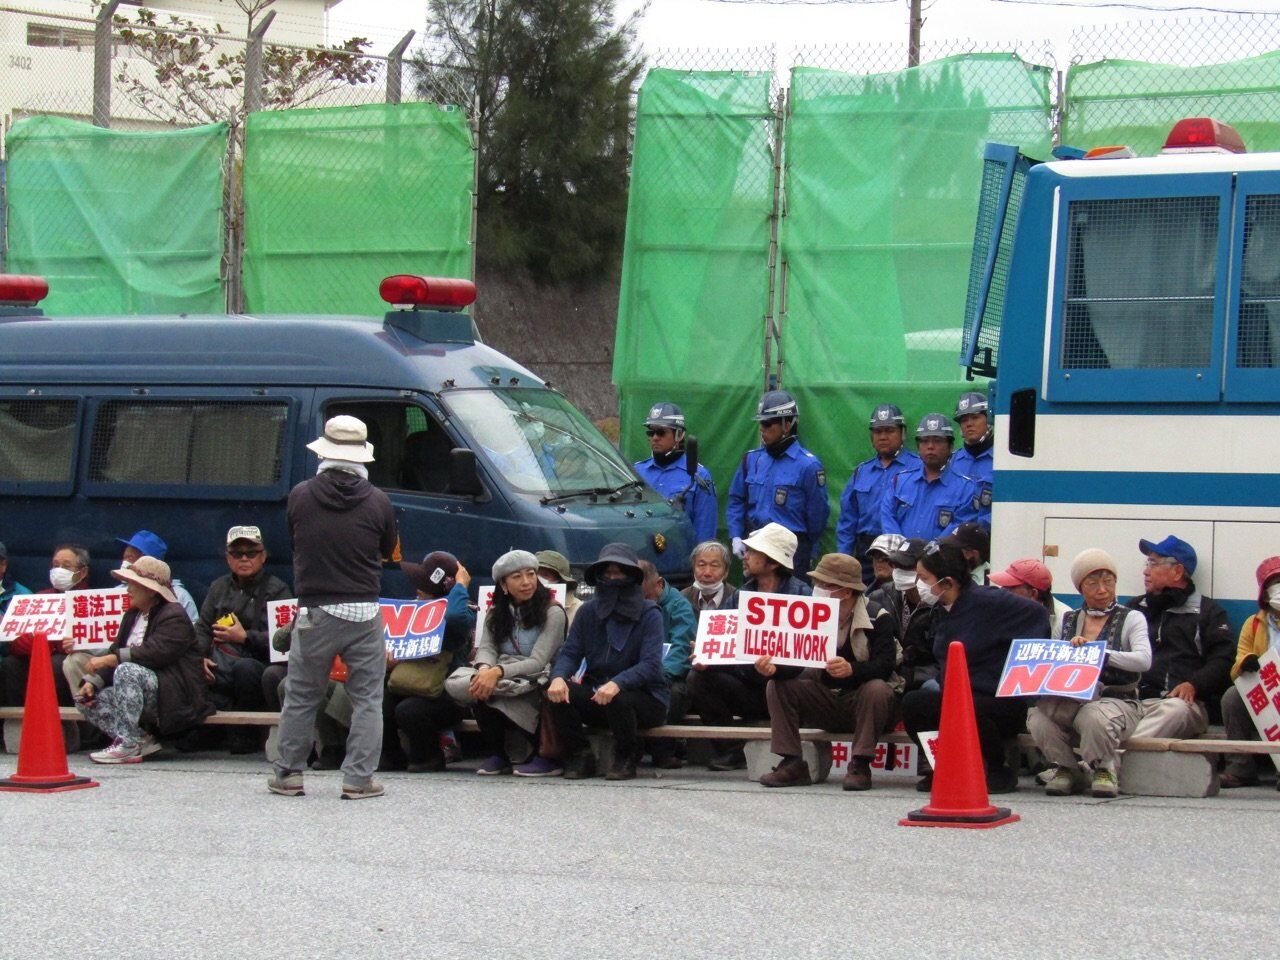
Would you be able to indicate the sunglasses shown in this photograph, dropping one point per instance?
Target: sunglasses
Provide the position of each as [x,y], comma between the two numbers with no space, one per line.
[771,423]
[244,554]
[656,432]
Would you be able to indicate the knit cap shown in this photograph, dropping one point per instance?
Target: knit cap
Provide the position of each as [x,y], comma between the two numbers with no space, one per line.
[511,561]
[1088,561]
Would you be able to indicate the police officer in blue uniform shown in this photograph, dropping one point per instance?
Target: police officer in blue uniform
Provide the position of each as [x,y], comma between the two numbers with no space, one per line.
[974,459]
[667,471]
[931,500]
[779,482]
[864,493]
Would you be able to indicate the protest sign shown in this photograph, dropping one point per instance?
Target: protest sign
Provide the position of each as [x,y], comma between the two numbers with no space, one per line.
[794,631]
[484,596]
[904,760]
[95,615]
[717,638]
[1261,695]
[45,613]
[280,613]
[929,747]
[1040,668]
[413,629]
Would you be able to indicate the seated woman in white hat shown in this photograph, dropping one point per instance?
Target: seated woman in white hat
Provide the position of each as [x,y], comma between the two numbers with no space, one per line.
[151,682]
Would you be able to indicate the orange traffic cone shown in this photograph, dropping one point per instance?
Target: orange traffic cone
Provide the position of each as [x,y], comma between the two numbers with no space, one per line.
[42,757]
[959,797]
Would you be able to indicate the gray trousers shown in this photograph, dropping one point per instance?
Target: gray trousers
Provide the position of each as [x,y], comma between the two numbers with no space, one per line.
[317,639]
[1172,717]
[801,701]
[1239,726]
[1098,726]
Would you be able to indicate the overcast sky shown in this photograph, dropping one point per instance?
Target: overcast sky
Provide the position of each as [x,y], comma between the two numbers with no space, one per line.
[714,23]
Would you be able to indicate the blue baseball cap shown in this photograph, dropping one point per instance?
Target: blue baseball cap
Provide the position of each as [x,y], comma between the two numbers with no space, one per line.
[146,541]
[1174,549]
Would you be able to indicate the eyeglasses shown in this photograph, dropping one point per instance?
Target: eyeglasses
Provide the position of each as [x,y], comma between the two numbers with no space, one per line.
[771,423]
[656,432]
[1098,580]
[244,554]
[1161,562]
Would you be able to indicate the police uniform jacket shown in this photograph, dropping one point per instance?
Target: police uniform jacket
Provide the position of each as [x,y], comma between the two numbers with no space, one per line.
[859,522]
[928,509]
[700,503]
[790,489]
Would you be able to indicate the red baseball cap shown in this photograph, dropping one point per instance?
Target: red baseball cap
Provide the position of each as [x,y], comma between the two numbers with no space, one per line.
[1028,572]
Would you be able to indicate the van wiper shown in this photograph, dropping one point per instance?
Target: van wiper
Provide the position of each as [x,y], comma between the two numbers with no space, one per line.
[610,492]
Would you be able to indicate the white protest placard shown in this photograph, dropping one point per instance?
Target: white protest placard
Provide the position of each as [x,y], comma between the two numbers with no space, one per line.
[717,639]
[903,754]
[929,747]
[794,631]
[46,613]
[484,595]
[1261,695]
[280,613]
[95,616]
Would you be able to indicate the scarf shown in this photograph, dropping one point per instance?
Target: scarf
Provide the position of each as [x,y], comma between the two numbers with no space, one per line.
[668,458]
[619,598]
[981,445]
[776,450]
[346,466]
[1169,597]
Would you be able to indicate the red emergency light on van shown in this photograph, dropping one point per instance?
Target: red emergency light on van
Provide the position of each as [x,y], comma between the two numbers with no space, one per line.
[17,290]
[1203,135]
[434,293]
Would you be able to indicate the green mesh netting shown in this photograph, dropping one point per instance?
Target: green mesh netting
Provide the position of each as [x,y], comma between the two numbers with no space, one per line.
[695,279]
[338,198]
[883,177]
[1125,102]
[119,222]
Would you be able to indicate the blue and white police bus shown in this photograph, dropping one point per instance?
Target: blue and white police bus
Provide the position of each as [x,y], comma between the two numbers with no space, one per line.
[1129,310]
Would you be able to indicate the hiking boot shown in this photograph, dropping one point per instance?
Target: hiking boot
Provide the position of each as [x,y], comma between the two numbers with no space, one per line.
[539,767]
[624,768]
[1064,783]
[494,766]
[1104,786]
[729,760]
[118,752]
[858,777]
[364,792]
[791,772]
[287,784]
[581,767]
[1001,780]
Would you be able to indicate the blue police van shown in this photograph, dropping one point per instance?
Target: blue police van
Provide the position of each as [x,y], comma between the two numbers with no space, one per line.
[189,425]
[1129,310]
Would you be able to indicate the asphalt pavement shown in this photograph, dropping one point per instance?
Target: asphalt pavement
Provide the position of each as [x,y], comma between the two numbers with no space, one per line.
[191,857]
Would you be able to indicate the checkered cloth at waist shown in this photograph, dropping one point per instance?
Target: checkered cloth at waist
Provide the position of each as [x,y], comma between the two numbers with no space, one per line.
[352,612]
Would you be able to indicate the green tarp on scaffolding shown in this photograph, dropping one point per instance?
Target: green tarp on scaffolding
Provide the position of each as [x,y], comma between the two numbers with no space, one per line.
[1125,102]
[338,198]
[119,222]
[695,279]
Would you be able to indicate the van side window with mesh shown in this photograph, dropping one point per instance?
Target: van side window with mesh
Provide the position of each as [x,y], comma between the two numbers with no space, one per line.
[1140,283]
[411,449]
[37,441]
[202,443]
[1260,283]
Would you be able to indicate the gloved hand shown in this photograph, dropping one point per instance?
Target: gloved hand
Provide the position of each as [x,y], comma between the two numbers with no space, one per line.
[740,548]
[1249,664]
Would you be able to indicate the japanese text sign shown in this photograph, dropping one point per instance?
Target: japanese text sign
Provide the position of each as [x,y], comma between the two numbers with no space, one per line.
[794,631]
[717,639]
[1261,695]
[413,629]
[95,615]
[46,613]
[1040,668]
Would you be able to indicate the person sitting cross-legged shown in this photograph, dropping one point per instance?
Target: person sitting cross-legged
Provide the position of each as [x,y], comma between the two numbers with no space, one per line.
[851,694]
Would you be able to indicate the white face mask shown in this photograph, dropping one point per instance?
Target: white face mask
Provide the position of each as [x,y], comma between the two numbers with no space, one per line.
[708,588]
[822,592]
[1273,597]
[927,596]
[904,580]
[62,579]
[546,583]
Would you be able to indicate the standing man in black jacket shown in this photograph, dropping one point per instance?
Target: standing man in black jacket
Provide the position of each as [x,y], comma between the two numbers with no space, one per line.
[1192,647]
[342,527]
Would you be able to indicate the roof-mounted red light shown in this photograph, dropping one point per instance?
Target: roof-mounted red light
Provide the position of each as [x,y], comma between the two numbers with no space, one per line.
[17,290]
[437,293]
[1203,135]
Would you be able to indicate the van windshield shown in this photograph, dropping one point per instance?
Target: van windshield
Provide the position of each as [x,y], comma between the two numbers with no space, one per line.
[539,442]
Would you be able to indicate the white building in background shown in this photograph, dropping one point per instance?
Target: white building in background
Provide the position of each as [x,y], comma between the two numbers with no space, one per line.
[46,53]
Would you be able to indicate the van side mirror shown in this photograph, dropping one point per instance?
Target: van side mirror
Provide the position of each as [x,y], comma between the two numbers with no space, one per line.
[464,479]
[691,454]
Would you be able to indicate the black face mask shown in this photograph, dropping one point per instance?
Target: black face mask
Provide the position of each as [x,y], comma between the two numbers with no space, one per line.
[776,450]
[982,445]
[621,597]
[668,458]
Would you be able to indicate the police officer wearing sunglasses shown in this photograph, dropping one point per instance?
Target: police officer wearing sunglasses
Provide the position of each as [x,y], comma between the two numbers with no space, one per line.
[667,471]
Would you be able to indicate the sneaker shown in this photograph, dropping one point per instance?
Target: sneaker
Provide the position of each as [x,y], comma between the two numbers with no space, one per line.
[858,776]
[624,768]
[1047,774]
[791,772]
[729,760]
[449,747]
[1064,783]
[538,767]
[287,784]
[494,766]
[1104,784]
[148,745]
[581,767]
[365,792]
[118,752]
[1001,780]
